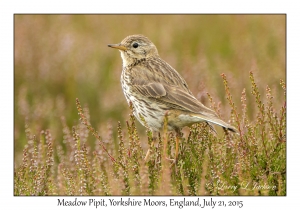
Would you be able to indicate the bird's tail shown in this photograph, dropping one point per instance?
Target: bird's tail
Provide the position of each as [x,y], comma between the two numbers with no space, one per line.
[215,120]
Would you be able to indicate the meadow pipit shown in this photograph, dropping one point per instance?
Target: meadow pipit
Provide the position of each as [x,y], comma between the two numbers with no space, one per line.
[156,90]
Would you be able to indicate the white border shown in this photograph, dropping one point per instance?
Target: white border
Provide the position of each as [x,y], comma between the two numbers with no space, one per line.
[8,8]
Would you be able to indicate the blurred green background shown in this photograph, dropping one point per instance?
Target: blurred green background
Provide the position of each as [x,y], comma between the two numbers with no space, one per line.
[59,58]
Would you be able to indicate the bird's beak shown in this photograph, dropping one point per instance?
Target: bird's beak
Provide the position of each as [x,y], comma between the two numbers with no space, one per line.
[117,46]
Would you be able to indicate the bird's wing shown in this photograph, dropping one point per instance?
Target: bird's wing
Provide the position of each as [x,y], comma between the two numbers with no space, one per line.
[173,97]
[164,85]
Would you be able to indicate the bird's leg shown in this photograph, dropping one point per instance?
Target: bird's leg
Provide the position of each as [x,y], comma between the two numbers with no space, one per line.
[148,152]
[165,148]
[154,137]
[165,136]
[177,144]
[178,136]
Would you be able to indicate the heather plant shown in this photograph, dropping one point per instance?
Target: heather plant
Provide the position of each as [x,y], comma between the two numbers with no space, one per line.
[252,162]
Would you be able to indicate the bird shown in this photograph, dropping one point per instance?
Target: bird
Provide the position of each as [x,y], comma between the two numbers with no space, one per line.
[156,90]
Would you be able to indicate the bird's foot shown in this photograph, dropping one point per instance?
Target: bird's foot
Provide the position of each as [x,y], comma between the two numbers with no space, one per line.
[147,155]
[172,160]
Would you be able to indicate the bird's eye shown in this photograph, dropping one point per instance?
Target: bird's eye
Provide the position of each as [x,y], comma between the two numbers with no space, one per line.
[135,45]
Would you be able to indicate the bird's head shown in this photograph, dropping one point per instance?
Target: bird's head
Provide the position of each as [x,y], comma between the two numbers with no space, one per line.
[135,47]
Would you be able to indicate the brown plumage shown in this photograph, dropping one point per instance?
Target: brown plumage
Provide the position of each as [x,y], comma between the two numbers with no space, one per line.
[156,89]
